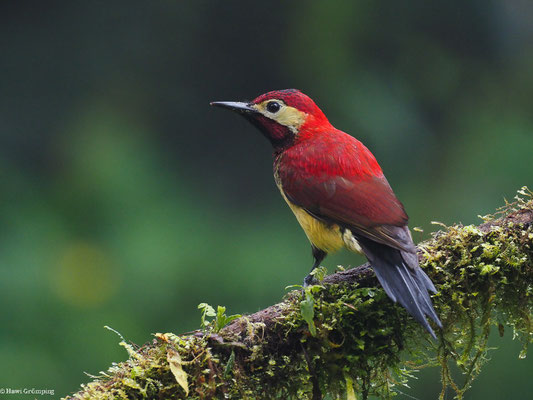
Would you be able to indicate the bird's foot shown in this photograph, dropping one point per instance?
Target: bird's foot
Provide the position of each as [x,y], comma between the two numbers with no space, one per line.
[310,280]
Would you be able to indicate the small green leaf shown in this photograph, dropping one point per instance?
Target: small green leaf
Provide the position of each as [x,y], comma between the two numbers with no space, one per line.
[207,311]
[229,365]
[350,392]
[293,287]
[222,319]
[307,309]
[320,273]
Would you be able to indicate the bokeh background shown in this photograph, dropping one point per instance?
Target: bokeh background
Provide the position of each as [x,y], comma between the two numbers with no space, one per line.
[126,200]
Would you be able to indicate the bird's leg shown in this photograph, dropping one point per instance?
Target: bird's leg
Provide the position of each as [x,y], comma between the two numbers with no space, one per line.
[318,255]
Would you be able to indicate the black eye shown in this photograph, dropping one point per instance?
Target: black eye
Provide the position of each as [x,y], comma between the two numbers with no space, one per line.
[273,107]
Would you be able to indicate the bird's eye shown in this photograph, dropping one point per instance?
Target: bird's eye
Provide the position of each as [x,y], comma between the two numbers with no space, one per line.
[273,107]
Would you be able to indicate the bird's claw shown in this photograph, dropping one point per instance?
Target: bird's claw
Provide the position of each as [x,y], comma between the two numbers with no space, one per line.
[310,280]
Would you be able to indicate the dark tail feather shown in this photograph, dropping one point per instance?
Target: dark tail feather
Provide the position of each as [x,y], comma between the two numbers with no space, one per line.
[403,282]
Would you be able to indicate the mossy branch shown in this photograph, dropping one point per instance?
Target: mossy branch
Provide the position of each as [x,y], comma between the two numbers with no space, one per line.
[346,336]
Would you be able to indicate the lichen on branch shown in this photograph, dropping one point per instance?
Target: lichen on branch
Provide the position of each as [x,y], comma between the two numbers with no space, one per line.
[345,337]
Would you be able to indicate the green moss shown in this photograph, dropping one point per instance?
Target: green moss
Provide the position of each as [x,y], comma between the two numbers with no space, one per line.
[485,279]
[351,338]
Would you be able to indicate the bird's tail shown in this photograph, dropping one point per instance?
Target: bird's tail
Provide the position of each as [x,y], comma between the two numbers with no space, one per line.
[403,281]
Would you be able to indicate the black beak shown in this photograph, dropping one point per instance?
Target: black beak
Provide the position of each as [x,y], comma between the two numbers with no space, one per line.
[243,108]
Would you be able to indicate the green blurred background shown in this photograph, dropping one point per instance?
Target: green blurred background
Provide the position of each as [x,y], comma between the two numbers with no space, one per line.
[126,200]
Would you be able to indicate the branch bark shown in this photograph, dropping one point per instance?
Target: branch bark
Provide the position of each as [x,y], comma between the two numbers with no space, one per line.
[346,336]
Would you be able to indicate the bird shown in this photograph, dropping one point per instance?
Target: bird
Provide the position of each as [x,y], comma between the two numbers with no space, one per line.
[339,195]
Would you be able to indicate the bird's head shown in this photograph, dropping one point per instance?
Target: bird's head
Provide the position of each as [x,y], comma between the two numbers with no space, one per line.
[281,115]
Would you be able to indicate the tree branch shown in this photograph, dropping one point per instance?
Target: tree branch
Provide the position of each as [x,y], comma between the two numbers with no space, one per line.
[346,336]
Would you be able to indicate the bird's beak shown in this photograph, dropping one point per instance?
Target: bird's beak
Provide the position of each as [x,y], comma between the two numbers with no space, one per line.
[243,108]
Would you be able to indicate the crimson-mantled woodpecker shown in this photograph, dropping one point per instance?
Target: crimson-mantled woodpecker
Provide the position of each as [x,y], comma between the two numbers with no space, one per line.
[339,195]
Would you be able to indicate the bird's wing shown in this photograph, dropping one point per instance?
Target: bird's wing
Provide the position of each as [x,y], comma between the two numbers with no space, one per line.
[358,198]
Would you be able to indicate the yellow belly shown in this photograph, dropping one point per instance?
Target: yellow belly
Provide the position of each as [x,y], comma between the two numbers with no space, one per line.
[326,237]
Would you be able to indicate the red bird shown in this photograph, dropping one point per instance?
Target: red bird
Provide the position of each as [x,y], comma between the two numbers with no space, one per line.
[339,195]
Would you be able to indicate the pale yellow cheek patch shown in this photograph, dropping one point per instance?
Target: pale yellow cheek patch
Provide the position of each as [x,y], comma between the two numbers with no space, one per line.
[287,116]
[290,117]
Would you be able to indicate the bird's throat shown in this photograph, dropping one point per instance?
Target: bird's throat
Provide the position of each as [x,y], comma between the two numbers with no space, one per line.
[280,136]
